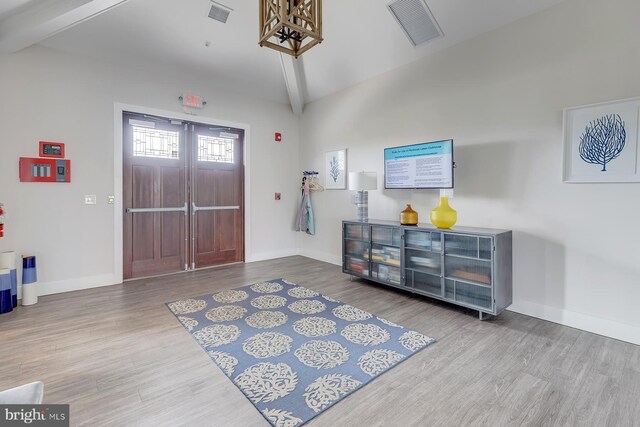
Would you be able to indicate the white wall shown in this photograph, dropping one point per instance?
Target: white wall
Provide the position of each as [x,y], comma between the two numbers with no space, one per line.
[501,96]
[53,96]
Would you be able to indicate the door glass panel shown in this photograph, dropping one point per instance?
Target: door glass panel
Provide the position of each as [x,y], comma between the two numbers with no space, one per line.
[474,295]
[386,273]
[356,266]
[215,149]
[448,288]
[427,283]
[461,245]
[357,248]
[354,231]
[424,261]
[386,235]
[468,269]
[485,248]
[156,143]
[385,254]
[423,240]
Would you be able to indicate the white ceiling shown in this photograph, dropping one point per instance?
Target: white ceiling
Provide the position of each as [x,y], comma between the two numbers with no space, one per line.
[10,7]
[362,39]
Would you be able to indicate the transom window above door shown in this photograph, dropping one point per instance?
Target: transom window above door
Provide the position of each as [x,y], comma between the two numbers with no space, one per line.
[215,149]
[155,143]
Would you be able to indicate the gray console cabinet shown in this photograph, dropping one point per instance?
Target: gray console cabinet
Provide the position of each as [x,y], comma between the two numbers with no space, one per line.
[471,267]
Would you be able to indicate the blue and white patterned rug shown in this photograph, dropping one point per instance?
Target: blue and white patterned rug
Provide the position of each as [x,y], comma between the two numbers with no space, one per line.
[294,352]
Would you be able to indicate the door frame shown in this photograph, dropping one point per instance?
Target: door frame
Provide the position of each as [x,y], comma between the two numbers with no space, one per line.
[119,109]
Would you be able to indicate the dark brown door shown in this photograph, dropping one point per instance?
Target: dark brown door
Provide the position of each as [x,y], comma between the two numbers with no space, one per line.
[154,177]
[183,195]
[218,194]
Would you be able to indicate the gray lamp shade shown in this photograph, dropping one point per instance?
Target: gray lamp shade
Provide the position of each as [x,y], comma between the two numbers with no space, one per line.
[363,181]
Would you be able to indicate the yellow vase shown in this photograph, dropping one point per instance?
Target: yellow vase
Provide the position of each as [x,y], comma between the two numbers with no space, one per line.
[409,216]
[444,216]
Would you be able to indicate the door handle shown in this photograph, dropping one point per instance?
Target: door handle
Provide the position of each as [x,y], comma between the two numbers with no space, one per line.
[154,210]
[196,208]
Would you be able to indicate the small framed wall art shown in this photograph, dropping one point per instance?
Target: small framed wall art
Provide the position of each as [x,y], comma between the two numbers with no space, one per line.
[335,166]
[601,142]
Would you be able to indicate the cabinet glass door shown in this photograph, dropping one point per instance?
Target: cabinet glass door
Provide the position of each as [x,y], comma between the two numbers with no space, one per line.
[356,249]
[468,270]
[423,261]
[385,254]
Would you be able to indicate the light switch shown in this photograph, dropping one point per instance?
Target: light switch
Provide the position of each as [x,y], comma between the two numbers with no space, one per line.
[90,199]
[111,199]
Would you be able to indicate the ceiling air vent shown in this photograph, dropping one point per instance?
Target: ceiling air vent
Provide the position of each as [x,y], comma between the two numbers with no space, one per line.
[219,12]
[416,20]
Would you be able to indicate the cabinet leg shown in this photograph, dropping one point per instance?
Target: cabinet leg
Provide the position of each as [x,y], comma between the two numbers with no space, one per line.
[481,315]
[350,278]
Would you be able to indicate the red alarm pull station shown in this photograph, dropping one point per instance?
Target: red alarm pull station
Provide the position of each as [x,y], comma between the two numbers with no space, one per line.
[44,170]
[278,137]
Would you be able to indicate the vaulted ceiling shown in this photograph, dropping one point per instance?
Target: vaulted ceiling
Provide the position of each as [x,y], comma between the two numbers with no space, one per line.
[361,39]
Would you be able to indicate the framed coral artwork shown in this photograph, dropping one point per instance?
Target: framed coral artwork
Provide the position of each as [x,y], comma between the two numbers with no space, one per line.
[601,142]
[335,166]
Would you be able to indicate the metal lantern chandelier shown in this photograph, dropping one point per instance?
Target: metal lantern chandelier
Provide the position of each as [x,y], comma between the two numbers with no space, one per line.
[290,26]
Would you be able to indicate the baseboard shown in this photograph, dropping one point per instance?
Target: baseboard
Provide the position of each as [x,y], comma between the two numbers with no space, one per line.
[322,256]
[585,322]
[80,283]
[70,285]
[596,325]
[264,256]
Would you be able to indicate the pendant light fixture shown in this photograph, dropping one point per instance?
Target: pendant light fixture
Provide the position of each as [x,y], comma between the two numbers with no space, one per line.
[290,26]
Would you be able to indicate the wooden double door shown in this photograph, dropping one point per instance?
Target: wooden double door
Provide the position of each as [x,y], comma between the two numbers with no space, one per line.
[183,195]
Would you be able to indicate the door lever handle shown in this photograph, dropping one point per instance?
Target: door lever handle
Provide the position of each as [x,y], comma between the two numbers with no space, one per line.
[154,210]
[195,208]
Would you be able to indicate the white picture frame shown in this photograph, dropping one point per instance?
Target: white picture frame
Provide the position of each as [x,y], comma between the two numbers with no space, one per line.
[335,169]
[601,142]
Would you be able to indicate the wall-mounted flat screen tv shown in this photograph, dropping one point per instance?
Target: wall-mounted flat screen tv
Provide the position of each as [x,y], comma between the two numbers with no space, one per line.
[428,165]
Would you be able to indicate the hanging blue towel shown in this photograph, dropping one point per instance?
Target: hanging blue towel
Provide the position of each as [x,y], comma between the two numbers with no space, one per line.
[305,221]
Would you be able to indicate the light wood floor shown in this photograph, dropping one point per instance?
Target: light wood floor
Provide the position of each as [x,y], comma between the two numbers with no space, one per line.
[120,358]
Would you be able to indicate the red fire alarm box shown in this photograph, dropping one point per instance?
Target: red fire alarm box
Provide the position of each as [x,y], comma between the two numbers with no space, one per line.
[52,149]
[278,137]
[44,170]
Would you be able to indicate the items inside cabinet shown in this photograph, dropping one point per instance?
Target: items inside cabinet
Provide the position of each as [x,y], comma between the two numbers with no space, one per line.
[357,266]
[386,273]
[385,254]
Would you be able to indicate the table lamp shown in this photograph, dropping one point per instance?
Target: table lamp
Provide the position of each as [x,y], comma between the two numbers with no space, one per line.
[361,182]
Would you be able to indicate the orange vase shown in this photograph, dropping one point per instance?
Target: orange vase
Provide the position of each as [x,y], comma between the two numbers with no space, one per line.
[409,216]
[444,216]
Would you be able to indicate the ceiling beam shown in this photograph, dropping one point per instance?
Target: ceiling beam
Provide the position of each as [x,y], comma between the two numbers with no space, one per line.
[293,78]
[47,18]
